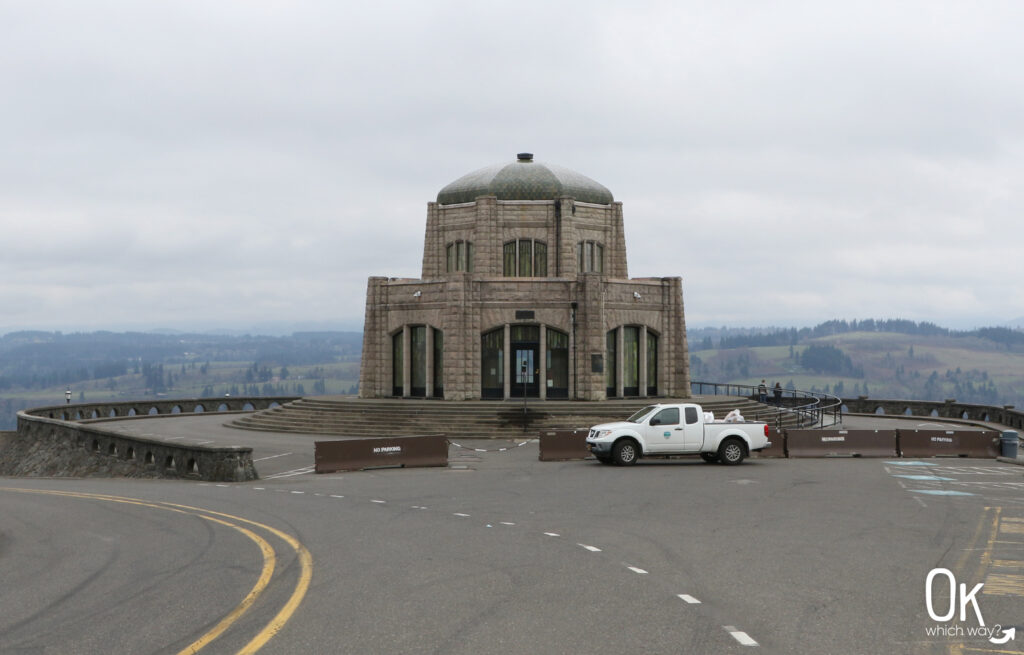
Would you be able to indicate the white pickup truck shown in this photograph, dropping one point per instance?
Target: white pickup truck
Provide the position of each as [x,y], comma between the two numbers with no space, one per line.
[675,429]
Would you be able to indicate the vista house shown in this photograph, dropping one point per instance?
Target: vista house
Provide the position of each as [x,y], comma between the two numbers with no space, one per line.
[524,292]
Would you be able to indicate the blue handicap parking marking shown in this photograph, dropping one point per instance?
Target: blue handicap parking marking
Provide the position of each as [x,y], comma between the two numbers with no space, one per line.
[912,463]
[940,492]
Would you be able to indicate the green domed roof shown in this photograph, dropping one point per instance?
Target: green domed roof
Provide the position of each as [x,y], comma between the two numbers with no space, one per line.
[524,179]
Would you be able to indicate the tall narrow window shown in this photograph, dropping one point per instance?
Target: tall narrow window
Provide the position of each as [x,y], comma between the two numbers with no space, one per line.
[557,364]
[492,364]
[418,350]
[509,259]
[397,355]
[630,360]
[611,363]
[459,256]
[525,258]
[590,255]
[540,259]
[652,364]
[438,363]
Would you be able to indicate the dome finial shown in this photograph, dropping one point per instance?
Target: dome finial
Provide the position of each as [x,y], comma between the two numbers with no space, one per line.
[525,156]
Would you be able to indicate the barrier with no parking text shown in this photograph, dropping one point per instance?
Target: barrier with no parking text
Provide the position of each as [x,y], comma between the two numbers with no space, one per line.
[949,443]
[357,454]
[835,443]
[557,445]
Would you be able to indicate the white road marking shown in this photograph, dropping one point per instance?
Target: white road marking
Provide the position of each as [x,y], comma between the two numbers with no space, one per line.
[689,599]
[288,474]
[298,492]
[379,502]
[552,534]
[259,488]
[336,496]
[272,457]
[918,499]
[636,570]
[465,516]
[593,549]
[740,636]
[507,523]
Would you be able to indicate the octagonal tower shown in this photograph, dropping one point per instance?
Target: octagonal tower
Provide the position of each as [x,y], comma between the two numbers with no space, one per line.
[524,291]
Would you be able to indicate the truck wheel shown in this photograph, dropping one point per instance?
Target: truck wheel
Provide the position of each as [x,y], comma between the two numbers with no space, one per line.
[625,452]
[731,452]
[710,458]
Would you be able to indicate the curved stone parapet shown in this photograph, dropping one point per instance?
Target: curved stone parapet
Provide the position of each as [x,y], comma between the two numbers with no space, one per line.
[949,409]
[69,440]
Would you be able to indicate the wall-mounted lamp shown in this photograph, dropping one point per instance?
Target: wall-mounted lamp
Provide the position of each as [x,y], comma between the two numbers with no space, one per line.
[637,296]
[417,294]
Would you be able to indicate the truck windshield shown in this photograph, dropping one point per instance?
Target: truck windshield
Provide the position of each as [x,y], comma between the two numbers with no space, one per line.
[639,416]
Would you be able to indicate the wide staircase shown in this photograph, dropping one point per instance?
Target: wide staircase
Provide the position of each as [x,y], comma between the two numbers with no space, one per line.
[357,417]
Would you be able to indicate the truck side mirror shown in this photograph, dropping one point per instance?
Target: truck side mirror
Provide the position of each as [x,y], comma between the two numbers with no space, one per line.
[655,421]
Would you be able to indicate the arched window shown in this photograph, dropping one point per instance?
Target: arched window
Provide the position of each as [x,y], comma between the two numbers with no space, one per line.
[590,255]
[525,258]
[626,361]
[459,256]
[419,343]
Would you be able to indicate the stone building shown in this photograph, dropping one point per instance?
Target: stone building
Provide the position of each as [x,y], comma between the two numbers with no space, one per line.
[524,291]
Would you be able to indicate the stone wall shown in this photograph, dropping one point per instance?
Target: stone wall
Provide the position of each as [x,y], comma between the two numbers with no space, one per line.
[68,441]
[950,408]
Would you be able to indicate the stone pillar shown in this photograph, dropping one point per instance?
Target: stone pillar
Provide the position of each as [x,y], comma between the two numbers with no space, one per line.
[506,362]
[643,361]
[406,361]
[373,372]
[573,355]
[543,382]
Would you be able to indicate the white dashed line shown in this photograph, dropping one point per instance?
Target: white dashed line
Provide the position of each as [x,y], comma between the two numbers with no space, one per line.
[224,486]
[262,459]
[507,523]
[465,516]
[259,488]
[593,549]
[379,502]
[336,496]
[740,636]
[298,492]
[689,599]
[552,534]
[636,570]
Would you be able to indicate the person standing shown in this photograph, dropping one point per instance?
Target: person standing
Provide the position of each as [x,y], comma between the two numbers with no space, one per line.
[777,392]
[762,392]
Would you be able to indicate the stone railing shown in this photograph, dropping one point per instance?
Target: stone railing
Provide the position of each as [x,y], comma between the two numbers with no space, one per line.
[62,440]
[950,408]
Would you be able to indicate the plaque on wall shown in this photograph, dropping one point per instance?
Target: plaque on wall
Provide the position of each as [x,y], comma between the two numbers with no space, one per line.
[597,363]
[524,314]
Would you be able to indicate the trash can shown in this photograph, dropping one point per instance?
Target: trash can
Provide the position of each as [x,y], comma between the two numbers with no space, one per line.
[1008,443]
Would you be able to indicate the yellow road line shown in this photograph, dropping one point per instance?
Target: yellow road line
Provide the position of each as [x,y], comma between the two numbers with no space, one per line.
[305,576]
[286,612]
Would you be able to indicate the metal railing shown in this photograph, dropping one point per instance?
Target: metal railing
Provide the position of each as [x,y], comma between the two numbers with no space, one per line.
[809,407]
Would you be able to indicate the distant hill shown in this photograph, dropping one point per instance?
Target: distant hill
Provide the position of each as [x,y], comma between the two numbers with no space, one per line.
[879,358]
[36,368]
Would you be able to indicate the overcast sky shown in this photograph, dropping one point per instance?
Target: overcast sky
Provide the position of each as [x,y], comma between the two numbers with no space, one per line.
[238,164]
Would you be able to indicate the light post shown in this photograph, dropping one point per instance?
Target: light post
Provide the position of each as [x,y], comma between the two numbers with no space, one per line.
[67,396]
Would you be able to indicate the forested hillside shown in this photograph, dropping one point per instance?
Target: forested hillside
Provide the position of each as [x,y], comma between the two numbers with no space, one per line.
[879,358]
[37,368]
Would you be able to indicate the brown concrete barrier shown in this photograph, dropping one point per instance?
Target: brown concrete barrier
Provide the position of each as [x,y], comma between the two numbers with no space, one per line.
[357,454]
[778,447]
[838,443]
[559,445]
[949,443]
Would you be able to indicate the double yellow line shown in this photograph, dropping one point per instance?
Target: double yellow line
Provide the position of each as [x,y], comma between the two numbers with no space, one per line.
[269,563]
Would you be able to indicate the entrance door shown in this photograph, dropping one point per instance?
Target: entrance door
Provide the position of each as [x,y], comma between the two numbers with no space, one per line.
[525,361]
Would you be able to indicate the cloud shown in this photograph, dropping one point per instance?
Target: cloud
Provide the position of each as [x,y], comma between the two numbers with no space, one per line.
[238,162]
